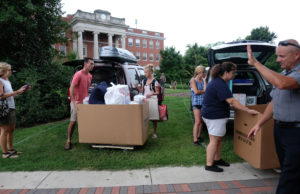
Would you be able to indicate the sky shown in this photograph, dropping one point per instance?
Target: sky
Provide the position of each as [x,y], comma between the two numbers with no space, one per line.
[186,22]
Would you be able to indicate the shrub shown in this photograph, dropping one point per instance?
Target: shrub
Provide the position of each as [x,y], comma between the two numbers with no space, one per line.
[47,100]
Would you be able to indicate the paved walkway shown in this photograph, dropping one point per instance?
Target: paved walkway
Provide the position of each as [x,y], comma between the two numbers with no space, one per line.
[238,178]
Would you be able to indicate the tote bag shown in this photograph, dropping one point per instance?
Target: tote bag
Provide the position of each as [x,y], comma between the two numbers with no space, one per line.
[153,108]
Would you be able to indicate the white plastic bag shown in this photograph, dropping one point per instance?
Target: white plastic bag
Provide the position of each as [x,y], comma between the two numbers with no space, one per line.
[117,94]
[140,99]
[86,100]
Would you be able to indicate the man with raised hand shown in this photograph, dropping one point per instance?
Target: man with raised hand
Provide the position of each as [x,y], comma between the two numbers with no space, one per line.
[285,109]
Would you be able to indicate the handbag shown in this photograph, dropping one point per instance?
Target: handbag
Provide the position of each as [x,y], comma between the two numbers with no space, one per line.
[163,112]
[4,109]
[153,108]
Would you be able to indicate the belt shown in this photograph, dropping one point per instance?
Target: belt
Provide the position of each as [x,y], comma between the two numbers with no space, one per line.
[288,124]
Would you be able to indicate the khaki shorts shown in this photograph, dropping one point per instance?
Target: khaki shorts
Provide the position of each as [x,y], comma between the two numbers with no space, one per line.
[73,112]
[9,119]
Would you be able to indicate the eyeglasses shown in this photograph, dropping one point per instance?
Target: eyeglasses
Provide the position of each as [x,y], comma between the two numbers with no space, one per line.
[286,43]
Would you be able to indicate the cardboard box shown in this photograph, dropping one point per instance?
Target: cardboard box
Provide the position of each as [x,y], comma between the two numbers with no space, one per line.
[260,150]
[113,124]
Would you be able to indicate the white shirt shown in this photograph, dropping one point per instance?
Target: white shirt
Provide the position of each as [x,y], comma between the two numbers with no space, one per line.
[8,89]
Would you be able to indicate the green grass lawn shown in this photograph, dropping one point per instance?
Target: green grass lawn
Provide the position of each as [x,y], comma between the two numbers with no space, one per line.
[42,147]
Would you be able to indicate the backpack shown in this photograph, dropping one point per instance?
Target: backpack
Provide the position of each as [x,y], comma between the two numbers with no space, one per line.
[161,94]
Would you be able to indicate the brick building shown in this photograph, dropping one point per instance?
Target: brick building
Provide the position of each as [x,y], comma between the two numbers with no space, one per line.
[94,30]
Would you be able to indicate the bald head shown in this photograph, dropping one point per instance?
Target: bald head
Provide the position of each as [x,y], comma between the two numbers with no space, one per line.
[292,44]
[288,53]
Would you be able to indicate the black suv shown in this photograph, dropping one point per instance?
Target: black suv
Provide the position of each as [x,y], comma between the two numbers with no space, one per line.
[116,66]
[247,79]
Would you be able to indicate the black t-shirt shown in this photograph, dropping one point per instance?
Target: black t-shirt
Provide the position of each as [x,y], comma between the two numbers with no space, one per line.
[214,104]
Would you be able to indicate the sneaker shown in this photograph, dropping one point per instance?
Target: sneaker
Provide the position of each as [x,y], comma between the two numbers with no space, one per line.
[196,143]
[200,140]
[154,136]
[221,163]
[213,168]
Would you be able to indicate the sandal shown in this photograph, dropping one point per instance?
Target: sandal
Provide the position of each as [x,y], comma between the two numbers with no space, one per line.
[13,151]
[9,155]
[68,146]
[154,136]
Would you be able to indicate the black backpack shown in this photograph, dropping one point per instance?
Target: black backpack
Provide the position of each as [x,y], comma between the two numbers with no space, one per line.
[161,95]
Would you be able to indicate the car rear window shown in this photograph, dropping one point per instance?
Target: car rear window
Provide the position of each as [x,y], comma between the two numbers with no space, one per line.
[108,74]
[243,55]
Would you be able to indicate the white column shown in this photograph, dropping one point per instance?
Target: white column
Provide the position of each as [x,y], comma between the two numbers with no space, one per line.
[80,45]
[116,41]
[123,42]
[75,46]
[110,42]
[96,46]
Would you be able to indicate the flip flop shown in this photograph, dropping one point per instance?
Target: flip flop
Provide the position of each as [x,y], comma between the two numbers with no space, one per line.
[13,151]
[9,155]
[68,146]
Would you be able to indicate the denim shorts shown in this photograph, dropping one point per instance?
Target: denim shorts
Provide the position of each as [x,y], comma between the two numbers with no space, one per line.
[10,118]
[196,107]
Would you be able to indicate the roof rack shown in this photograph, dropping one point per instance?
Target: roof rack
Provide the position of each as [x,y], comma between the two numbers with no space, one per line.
[116,54]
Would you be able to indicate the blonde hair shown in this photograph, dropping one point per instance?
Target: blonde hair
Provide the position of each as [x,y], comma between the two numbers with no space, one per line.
[199,69]
[150,67]
[3,68]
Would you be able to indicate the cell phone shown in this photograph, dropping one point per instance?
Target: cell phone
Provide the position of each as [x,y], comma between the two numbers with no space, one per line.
[27,86]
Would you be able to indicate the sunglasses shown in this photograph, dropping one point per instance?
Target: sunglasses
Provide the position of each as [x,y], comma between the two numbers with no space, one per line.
[286,43]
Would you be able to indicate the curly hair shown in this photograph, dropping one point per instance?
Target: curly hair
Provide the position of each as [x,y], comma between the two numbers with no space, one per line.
[219,69]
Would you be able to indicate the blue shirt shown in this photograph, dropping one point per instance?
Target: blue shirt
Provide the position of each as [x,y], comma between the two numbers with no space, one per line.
[197,99]
[214,104]
[286,103]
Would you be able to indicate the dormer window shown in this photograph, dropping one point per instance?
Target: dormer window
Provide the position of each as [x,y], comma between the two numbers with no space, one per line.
[103,16]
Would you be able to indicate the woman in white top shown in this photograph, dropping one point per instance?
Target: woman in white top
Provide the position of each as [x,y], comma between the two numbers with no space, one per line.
[7,123]
[148,90]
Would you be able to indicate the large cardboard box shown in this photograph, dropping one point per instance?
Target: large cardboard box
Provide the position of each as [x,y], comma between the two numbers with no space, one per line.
[113,124]
[260,150]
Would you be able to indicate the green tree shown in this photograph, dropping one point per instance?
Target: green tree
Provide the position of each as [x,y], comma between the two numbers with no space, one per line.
[172,64]
[195,55]
[28,29]
[262,33]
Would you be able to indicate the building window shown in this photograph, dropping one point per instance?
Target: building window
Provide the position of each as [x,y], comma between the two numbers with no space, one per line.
[157,57]
[151,57]
[144,43]
[157,45]
[144,56]
[84,50]
[137,42]
[151,44]
[130,42]
[138,56]
[63,50]
[157,34]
